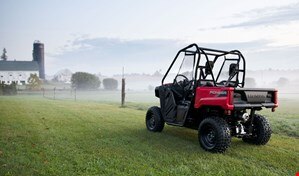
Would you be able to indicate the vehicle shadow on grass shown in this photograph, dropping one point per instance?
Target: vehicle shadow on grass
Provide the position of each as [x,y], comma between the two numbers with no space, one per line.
[169,133]
[169,139]
[182,138]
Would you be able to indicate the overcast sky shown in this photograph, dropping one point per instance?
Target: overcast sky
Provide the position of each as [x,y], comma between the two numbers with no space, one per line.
[144,36]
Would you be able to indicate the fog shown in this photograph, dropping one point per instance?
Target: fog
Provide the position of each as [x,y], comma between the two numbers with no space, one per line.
[140,86]
[146,61]
[285,81]
[144,37]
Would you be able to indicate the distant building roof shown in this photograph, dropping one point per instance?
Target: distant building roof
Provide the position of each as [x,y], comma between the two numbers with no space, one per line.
[18,66]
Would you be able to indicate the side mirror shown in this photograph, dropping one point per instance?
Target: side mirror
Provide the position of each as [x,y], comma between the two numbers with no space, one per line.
[232,69]
[209,69]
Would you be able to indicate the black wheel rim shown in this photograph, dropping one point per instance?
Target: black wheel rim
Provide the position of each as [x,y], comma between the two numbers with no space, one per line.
[208,136]
[151,122]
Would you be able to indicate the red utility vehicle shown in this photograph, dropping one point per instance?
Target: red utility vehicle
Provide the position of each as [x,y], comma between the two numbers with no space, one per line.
[206,92]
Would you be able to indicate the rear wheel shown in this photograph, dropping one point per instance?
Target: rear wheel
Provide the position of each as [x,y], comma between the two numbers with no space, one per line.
[153,120]
[261,131]
[214,134]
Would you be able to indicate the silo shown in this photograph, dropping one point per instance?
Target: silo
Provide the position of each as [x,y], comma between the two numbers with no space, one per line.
[38,55]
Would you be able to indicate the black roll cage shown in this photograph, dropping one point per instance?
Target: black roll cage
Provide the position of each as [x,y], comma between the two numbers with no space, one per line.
[210,52]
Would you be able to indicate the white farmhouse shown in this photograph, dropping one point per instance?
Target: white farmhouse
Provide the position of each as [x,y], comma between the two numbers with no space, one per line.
[17,71]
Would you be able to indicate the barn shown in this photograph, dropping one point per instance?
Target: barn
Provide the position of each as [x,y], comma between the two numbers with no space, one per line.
[19,71]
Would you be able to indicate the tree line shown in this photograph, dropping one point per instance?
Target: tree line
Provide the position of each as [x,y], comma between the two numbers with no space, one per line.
[87,81]
[79,81]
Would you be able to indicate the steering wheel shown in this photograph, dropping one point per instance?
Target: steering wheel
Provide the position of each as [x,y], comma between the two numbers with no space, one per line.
[183,83]
[184,86]
[222,82]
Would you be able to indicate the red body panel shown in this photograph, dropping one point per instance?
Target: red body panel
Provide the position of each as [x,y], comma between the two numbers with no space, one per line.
[214,96]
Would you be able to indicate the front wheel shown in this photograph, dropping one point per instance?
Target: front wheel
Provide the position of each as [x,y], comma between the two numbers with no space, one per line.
[214,135]
[261,131]
[154,120]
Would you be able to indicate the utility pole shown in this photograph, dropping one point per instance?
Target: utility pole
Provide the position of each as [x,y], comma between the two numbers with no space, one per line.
[75,94]
[123,88]
[54,96]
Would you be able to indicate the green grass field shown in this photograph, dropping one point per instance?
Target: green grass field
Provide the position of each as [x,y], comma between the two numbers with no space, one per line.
[61,137]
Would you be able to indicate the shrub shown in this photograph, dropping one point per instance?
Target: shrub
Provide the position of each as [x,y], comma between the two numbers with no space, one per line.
[110,84]
[250,82]
[8,89]
[83,80]
[281,82]
[34,83]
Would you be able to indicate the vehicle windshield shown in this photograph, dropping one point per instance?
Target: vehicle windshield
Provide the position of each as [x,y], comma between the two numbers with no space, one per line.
[185,65]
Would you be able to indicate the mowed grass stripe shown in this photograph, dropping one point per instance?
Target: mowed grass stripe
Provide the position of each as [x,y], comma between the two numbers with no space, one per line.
[47,137]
